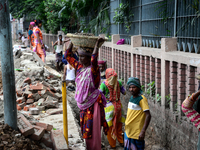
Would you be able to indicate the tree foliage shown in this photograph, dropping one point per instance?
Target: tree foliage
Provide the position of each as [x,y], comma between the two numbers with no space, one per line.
[83,15]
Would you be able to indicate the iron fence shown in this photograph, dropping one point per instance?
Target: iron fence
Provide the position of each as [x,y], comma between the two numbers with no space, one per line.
[156,19]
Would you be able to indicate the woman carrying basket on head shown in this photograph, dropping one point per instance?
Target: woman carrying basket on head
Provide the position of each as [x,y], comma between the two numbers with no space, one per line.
[89,99]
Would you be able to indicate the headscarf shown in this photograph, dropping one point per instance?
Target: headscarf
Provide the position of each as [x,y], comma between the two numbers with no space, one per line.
[134,81]
[112,84]
[32,23]
[102,62]
[85,51]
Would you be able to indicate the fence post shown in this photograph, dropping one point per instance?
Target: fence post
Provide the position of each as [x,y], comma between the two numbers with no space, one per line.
[167,45]
[136,41]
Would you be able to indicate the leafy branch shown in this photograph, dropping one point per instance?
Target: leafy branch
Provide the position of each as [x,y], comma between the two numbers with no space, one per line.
[123,15]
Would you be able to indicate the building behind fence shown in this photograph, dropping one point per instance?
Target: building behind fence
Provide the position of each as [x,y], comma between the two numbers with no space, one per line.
[155,19]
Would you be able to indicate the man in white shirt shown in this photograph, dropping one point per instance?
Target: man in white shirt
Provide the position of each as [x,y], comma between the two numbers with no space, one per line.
[59,53]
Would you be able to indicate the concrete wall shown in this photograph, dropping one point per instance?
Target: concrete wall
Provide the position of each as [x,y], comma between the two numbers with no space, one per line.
[49,38]
[174,75]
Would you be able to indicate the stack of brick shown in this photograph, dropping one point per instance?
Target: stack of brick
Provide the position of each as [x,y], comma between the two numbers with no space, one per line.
[35,130]
[35,96]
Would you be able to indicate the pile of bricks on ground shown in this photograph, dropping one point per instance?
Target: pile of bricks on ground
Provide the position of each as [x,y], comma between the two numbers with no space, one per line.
[36,131]
[36,96]
[14,140]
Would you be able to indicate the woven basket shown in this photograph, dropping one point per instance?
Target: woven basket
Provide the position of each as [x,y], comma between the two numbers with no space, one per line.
[84,41]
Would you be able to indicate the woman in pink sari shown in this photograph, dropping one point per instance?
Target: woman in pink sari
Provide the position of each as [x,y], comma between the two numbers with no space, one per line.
[89,99]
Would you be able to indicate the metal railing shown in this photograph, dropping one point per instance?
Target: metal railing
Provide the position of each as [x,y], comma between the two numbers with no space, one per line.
[156,19]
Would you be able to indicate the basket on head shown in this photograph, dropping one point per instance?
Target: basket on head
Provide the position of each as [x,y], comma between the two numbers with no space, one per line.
[84,40]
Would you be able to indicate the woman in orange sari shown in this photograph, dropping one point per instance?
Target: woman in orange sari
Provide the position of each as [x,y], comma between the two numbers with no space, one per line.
[38,46]
[30,34]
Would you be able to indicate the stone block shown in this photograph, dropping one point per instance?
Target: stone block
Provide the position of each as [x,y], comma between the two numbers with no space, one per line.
[53,82]
[115,38]
[47,127]
[30,101]
[36,96]
[58,140]
[169,44]
[50,98]
[41,108]
[34,111]
[41,101]
[25,126]
[46,140]
[38,133]
[58,96]
[54,111]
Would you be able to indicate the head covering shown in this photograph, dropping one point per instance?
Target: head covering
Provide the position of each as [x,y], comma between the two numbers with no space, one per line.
[134,81]
[101,62]
[85,51]
[32,23]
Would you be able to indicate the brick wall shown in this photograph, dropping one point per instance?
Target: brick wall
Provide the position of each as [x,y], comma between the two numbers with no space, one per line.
[174,75]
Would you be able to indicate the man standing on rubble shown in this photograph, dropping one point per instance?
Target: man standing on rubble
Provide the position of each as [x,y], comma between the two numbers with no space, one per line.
[59,53]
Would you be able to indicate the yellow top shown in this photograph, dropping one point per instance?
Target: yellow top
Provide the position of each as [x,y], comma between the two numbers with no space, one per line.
[136,118]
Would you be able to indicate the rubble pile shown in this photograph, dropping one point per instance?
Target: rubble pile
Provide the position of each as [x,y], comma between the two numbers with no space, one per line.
[39,105]
[36,89]
[14,140]
[35,96]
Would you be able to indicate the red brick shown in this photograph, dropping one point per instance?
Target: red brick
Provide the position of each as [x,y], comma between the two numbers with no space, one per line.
[19,93]
[58,140]
[18,107]
[47,127]
[19,101]
[38,133]
[36,87]
[30,101]
[26,108]
[27,80]
[191,81]
[30,95]
[182,90]
[22,105]
[24,126]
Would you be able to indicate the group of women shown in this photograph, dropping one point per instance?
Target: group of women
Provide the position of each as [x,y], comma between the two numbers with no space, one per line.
[36,39]
[99,101]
